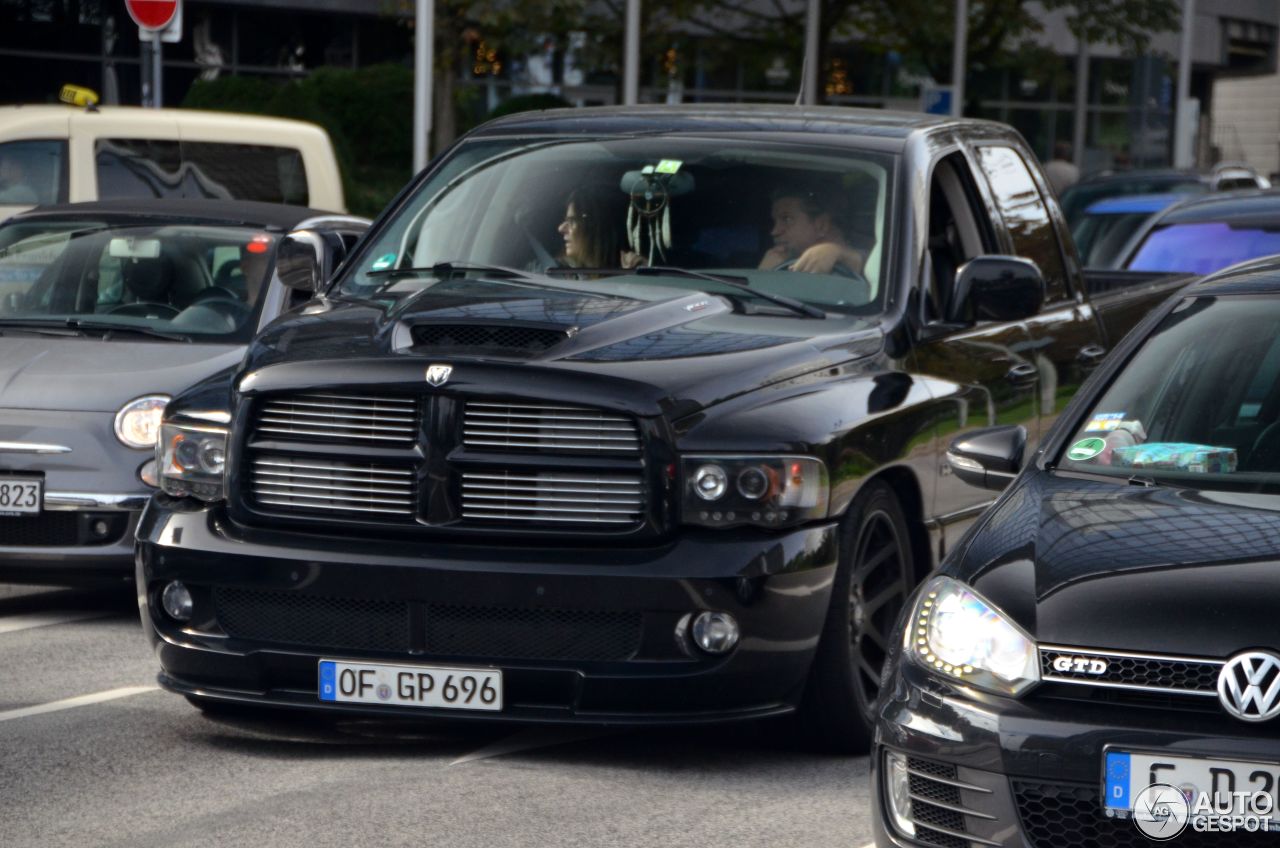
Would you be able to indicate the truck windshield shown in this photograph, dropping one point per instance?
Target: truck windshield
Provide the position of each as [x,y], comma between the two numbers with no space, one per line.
[1198,404]
[797,221]
[171,280]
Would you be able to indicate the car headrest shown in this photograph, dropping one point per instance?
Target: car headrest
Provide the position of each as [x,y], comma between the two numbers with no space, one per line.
[148,279]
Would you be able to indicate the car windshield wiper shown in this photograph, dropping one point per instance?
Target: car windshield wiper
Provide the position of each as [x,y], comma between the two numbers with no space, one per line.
[730,280]
[448,269]
[80,327]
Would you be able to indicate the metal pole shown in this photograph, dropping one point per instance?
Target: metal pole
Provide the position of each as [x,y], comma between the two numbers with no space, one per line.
[1182,126]
[958,50]
[811,59]
[157,75]
[1078,134]
[145,68]
[423,60]
[631,56]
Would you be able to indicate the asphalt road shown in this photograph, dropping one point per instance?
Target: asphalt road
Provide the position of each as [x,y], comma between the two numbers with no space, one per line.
[92,754]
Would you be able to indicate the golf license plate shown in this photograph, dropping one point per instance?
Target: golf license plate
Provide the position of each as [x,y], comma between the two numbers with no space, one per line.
[1128,773]
[21,495]
[434,686]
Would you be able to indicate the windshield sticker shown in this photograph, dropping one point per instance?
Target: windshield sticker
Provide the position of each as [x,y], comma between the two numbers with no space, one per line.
[384,262]
[1086,449]
[1104,422]
[1177,456]
[668,166]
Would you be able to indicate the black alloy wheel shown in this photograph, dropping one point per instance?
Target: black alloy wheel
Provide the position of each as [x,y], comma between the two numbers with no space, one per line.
[873,578]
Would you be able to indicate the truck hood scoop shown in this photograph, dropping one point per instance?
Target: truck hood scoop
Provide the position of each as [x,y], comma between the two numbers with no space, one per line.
[494,339]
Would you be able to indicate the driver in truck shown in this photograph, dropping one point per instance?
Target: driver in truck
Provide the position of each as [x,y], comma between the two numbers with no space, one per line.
[808,234]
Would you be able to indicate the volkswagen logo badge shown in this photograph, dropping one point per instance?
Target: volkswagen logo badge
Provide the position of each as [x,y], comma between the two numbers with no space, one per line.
[1249,686]
[438,375]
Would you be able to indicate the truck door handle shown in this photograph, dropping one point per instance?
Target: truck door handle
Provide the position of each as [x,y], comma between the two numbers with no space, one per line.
[1023,374]
[1091,355]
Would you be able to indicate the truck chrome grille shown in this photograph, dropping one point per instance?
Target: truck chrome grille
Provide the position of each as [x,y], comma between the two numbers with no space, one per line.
[553,497]
[326,485]
[340,417]
[545,428]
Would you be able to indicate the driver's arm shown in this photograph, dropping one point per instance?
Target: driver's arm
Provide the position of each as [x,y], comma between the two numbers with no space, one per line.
[821,258]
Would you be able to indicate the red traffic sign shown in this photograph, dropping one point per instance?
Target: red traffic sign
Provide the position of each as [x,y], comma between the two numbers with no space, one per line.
[152,14]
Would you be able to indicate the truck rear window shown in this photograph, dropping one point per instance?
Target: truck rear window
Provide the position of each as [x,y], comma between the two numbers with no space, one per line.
[156,168]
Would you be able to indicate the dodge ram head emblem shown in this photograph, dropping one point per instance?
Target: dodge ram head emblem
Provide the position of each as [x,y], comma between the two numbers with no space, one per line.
[1249,686]
[438,375]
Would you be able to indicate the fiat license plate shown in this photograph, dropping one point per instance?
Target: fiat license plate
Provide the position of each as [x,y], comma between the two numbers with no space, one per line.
[21,495]
[437,687]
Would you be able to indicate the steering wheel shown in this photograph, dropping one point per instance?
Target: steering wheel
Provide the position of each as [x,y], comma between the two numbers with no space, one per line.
[215,292]
[144,310]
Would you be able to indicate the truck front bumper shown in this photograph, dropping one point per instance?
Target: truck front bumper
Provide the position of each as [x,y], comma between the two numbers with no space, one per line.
[583,635]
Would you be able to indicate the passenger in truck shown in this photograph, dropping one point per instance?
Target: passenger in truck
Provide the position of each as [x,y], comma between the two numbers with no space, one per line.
[810,234]
[592,230]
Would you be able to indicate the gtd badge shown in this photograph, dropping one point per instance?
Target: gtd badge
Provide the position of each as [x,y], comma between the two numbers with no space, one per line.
[1080,665]
[438,375]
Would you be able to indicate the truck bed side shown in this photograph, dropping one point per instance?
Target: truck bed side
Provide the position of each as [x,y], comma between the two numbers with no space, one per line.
[1123,298]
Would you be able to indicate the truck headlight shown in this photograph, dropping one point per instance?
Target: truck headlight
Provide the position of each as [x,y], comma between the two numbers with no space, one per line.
[138,421]
[192,461]
[958,634]
[768,491]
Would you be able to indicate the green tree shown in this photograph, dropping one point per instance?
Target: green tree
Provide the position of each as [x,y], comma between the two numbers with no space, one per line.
[511,27]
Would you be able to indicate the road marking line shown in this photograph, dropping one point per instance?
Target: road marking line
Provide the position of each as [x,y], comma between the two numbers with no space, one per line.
[12,624]
[528,740]
[78,701]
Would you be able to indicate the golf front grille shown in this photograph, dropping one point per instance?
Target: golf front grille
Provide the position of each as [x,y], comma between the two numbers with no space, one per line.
[55,529]
[1069,815]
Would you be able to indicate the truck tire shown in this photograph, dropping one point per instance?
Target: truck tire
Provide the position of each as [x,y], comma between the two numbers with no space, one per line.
[874,575]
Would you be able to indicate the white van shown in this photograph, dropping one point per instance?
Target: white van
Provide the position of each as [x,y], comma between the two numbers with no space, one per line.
[60,154]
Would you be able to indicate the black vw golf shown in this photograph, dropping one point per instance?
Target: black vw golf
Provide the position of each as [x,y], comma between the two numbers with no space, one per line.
[1112,622]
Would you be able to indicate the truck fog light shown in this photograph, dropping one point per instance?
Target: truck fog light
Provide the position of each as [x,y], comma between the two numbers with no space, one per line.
[710,482]
[176,600]
[715,632]
[897,788]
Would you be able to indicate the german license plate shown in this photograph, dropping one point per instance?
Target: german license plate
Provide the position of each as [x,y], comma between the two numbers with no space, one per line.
[21,495]
[437,687]
[1128,773]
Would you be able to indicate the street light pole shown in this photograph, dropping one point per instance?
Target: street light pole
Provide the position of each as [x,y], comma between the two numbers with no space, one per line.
[811,61]
[423,53]
[958,50]
[1182,157]
[631,56]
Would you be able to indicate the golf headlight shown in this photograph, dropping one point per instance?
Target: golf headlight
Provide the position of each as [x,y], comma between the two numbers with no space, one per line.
[767,491]
[957,634]
[192,461]
[138,421]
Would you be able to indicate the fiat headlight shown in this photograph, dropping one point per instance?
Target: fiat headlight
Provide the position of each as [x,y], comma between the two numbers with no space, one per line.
[958,634]
[767,491]
[138,421]
[192,461]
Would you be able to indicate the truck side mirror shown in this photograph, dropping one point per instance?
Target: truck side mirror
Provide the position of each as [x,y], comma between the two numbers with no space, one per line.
[997,288]
[988,458]
[300,260]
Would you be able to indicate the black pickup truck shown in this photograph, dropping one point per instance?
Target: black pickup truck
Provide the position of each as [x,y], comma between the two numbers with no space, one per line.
[623,416]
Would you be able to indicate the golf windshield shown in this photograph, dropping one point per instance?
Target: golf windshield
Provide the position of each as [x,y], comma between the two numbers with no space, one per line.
[1198,403]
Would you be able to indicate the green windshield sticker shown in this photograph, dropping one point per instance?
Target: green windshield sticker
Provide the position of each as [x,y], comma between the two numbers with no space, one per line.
[384,262]
[1086,449]
[668,166]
